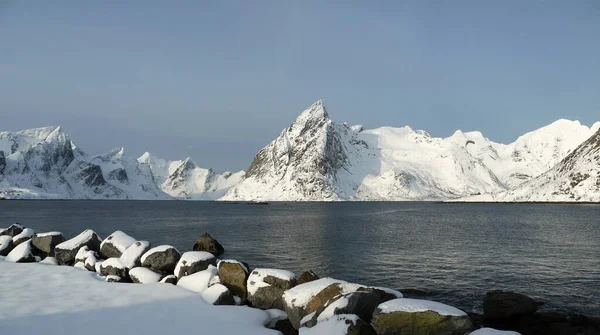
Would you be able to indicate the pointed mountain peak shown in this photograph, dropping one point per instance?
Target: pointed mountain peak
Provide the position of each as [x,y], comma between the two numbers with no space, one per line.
[316,111]
[145,157]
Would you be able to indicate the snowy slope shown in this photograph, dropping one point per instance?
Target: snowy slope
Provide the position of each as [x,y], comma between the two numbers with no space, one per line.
[575,179]
[316,159]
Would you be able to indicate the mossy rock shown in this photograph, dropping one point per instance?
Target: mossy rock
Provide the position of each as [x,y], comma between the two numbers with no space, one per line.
[420,323]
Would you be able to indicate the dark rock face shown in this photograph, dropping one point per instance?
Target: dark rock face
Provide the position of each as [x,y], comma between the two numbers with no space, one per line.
[163,261]
[6,245]
[13,230]
[115,244]
[225,299]
[206,243]
[271,296]
[2,162]
[502,305]
[305,277]
[65,252]
[170,279]
[119,175]
[235,276]
[47,243]
[285,327]
[112,267]
[548,323]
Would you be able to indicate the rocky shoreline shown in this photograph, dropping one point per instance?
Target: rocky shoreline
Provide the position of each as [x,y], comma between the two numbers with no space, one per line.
[304,303]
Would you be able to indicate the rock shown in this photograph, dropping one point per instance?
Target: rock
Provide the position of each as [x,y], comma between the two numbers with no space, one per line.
[199,281]
[65,252]
[170,279]
[278,320]
[6,245]
[46,242]
[503,305]
[25,235]
[234,275]
[115,244]
[79,265]
[97,266]
[84,253]
[416,317]
[362,304]
[49,261]
[114,267]
[163,259]
[341,325]
[384,294]
[206,243]
[192,262]
[266,287]
[90,263]
[218,294]
[22,253]
[144,276]
[113,279]
[13,230]
[306,277]
[131,257]
[491,331]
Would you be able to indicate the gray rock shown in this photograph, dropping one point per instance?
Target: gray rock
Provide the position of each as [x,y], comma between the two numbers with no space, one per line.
[503,305]
[23,236]
[46,242]
[306,277]
[115,244]
[206,243]
[234,275]
[114,267]
[21,254]
[170,279]
[192,262]
[161,259]
[362,304]
[65,252]
[12,231]
[269,296]
[6,245]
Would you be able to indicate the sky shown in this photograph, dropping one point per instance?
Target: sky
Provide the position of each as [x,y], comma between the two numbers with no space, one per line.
[218,80]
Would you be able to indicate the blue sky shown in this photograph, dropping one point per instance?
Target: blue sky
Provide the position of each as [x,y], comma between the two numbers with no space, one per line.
[217,80]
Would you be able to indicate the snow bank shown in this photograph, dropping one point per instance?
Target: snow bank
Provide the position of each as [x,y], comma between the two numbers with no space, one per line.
[416,305]
[49,261]
[213,293]
[68,301]
[199,281]
[337,325]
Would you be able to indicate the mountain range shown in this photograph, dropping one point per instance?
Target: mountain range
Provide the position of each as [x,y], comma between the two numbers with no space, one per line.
[316,159]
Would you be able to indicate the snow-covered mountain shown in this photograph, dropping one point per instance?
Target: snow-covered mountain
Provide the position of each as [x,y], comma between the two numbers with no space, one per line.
[317,159]
[44,163]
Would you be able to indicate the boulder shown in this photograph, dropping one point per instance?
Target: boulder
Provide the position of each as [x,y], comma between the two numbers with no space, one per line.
[266,287]
[25,235]
[13,230]
[115,244]
[341,325]
[90,263]
[278,320]
[162,259]
[46,242]
[84,253]
[97,266]
[419,317]
[206,243]
[65,252]
[143,275]
[218,294]
[192,262]
[6,245]
[113,279]
[131,257]
[114,267]
[80,265]
[503,305]
[170,279]
[306,277]
[199,281]
[22,253]
[234,275]
[362,304]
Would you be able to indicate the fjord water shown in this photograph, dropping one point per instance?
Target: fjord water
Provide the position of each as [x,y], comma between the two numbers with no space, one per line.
[453,252]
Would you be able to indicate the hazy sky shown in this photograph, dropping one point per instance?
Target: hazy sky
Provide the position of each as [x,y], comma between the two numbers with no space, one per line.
[218,80]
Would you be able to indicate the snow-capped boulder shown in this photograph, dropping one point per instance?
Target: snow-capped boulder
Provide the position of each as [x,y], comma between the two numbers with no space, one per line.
[114,267]
[491,331]
[13,230]
[206,243]
[6,244]
[90,262]
[278,320]
[234,275]
[362,304]
[97,266]
[192,262]
[218,294]
[65,252]
[199,281]
[131,257]
[413,316]
[342,325]
[49,261]
[79,265]
[113,279]
[163,259]
[84,253]
[24,235]
[143,275]
[46,242]
[115,244]
[305,299]
[503,305]
[22,253]
[170,279]
[306,277]
[266,287]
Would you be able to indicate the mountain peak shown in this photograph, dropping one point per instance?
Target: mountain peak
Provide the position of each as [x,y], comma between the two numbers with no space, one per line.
[315,111]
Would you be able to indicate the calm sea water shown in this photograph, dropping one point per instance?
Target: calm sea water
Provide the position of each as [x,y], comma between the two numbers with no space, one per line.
[454,252]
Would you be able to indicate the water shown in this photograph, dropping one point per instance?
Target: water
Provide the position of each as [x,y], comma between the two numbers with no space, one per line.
[454,252]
